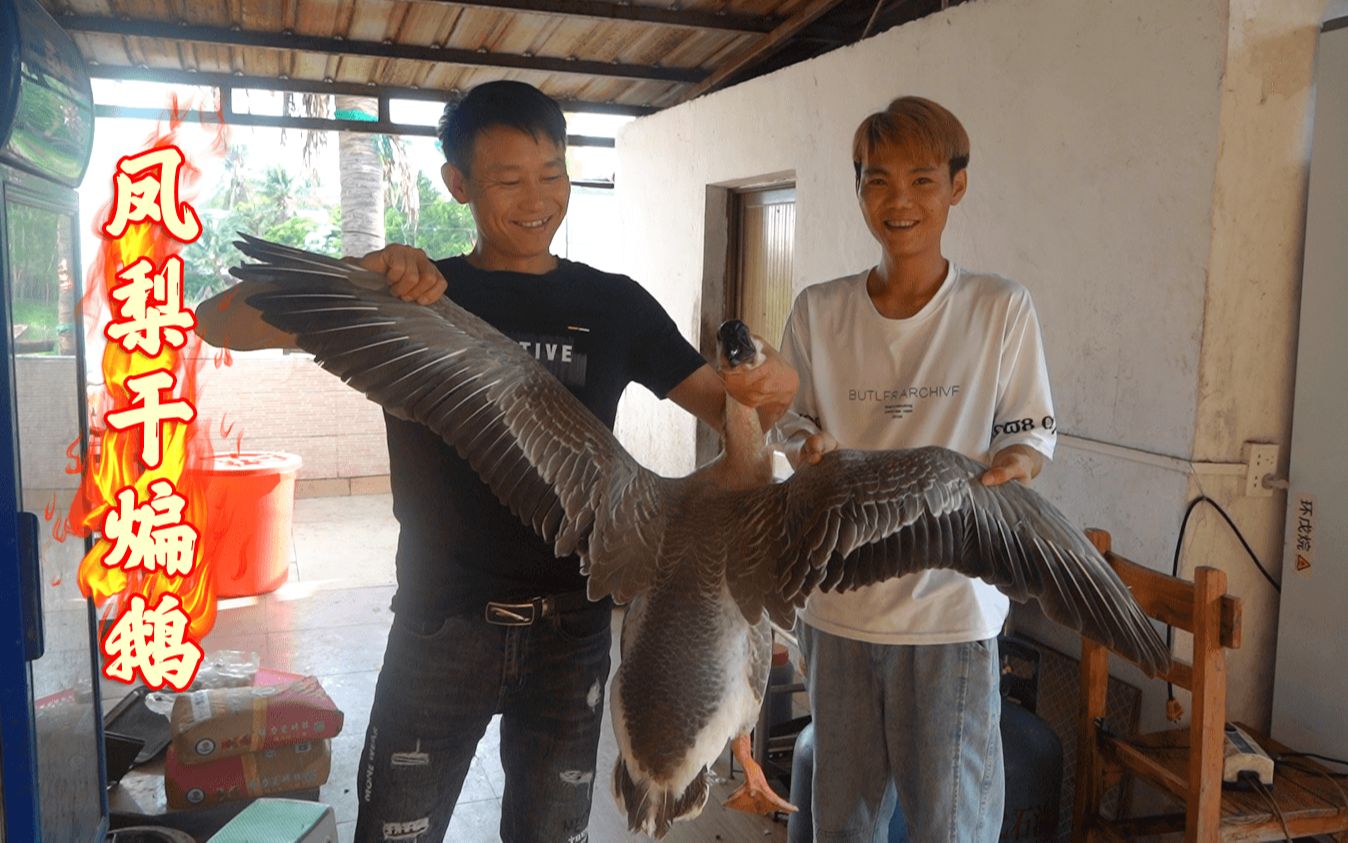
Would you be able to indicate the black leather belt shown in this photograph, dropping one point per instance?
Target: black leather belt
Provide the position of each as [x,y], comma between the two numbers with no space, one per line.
[529,612]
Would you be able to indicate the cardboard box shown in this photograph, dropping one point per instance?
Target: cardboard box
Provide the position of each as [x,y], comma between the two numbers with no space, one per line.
[223,722]
[280,769]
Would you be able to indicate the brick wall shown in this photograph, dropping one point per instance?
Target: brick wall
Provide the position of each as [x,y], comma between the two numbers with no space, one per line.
[269,401]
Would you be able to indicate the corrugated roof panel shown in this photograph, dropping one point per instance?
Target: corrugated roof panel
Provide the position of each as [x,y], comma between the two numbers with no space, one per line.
[309,65]
[403,74]
[251,14]
[428,23]
[651,92]
[372,20]
[477,28]
[320,17]
[355,68]
[80,7]
[625,42]
[421,24]
[658,44]
[100,49]
[211,58]
[709,45]
[150,9]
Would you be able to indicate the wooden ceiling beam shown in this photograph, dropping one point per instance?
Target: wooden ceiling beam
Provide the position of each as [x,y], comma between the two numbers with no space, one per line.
[633,12]
[760,49]
[315,86]
[127,27]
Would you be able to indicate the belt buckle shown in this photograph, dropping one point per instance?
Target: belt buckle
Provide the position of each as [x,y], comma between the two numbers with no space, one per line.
[512,614]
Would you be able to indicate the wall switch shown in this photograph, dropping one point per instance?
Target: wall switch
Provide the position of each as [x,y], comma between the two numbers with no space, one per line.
[1261,460]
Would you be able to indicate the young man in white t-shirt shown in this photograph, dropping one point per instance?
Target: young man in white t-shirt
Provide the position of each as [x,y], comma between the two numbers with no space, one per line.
[903,675]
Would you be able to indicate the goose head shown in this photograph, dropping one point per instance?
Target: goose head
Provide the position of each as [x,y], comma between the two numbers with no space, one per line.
[746,461]
[735,345]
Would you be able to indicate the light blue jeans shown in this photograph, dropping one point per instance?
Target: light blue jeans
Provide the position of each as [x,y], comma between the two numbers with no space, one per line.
[926,718]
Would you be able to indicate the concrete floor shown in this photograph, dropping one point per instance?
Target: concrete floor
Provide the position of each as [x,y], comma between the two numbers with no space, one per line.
[331,619]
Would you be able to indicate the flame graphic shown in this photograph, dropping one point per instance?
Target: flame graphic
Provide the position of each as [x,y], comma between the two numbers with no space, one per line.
[186,447]
[76,465]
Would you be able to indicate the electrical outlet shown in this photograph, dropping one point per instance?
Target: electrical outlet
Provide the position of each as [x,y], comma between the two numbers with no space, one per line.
[1243,757]
[1261,460]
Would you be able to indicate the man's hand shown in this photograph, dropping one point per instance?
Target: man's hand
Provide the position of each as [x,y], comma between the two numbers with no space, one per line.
[1014,462]
[410,273]
[812,450]
[769,387]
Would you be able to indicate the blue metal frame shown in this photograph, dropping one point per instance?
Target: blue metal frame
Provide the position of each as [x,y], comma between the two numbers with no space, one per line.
[20,581]
[18,731]
[18,726]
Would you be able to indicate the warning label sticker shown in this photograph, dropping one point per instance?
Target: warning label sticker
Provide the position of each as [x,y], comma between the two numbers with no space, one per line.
[1303,534]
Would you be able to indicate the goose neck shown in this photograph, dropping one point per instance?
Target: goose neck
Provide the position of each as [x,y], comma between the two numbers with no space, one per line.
[747,460]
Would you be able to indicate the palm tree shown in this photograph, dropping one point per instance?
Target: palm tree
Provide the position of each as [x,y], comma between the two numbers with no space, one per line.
[236,173]
[361,171]
[370,167]
[280,192]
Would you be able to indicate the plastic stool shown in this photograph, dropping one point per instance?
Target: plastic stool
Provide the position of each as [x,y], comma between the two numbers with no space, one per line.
[280,821]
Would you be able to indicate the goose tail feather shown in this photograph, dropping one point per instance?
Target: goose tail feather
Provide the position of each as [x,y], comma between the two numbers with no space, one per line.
[652,809]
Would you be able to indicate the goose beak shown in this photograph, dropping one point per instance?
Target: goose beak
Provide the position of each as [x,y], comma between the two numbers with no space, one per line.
[736,346]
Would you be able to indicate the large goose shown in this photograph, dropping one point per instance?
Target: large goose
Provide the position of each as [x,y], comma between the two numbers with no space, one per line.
[705,560]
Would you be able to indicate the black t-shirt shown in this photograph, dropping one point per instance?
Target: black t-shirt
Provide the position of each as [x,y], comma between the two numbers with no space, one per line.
[458,546]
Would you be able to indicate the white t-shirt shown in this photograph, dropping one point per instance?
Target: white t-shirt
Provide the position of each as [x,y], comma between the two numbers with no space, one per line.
[966,372]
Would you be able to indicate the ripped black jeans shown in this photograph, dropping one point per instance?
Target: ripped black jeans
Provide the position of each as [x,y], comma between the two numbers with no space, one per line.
[440,685]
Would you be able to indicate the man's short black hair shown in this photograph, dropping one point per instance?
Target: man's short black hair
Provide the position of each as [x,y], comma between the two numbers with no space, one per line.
[502,103]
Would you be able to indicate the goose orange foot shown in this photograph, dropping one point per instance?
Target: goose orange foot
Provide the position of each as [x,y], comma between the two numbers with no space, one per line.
[754,796]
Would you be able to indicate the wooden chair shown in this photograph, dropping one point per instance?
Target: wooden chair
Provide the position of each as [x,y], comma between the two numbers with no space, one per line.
[1187,762]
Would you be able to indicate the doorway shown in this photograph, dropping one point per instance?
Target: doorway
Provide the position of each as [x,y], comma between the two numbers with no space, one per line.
[764,247]
[754,281]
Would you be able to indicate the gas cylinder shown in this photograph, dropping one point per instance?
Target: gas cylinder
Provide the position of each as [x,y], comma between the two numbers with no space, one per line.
[781,675]
[1033,756]
[800,825]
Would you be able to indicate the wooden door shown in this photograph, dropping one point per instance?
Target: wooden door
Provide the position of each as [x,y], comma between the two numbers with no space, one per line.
[757,280]
[765,244]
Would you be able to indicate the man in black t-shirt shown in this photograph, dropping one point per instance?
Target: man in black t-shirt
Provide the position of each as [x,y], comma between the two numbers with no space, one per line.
[486,619]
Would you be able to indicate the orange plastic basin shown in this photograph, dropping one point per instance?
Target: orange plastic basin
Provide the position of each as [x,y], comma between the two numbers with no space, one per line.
[250,501]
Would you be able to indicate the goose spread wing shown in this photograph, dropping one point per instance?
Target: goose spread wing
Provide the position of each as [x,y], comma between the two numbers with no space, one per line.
[859,517]
[541,452]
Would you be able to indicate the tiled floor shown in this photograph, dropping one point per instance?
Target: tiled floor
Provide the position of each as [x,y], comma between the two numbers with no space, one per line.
[331,619]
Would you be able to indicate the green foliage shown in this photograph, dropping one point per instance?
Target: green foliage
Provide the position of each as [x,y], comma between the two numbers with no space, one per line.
[39,251]
[34,250]
[293,231]
[273,204]
[444,228]
[39,317]
[281,206]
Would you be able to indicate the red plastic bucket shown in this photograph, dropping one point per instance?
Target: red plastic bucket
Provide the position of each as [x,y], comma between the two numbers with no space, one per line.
[250,502]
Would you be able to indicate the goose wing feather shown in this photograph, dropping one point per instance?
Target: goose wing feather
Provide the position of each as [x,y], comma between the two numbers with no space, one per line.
[540,450]
[859,517]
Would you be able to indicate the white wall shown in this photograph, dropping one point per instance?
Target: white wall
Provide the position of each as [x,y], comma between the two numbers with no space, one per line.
[1043,88]
[1138,164]
[1248,360]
